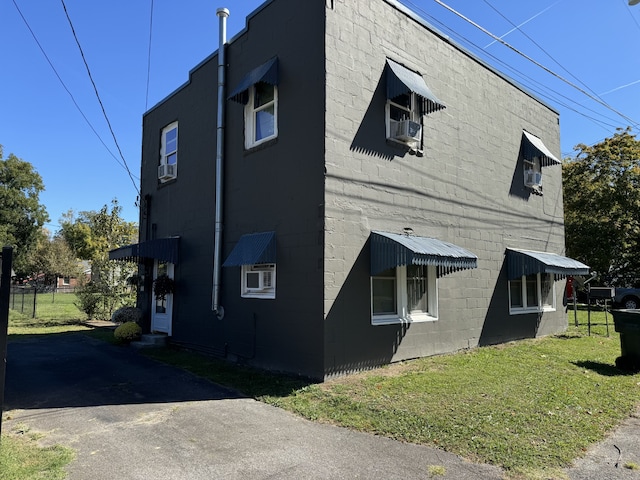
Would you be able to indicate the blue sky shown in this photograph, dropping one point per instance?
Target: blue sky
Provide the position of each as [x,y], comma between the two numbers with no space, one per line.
[591,44]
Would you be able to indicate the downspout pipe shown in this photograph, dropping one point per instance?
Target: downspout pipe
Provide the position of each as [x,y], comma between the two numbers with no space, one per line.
[218,310]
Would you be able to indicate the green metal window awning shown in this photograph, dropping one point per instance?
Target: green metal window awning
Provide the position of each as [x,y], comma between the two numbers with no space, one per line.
[390,250]
[164,249]
[267,73]
[253,249]
[533,147]
[528,262]
[401,80]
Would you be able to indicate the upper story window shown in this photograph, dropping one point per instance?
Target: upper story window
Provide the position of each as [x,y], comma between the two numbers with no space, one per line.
[532,173]
[404,119]
[405,293]
[168,168]
[261,114]
[408,99]
[535,155]
[258,91]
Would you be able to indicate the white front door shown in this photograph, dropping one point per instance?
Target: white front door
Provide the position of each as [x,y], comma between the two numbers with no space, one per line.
[162,308]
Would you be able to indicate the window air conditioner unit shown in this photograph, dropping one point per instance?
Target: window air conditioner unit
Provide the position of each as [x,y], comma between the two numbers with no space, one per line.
[167,171]
[259,278]
[533,179]
[408,131]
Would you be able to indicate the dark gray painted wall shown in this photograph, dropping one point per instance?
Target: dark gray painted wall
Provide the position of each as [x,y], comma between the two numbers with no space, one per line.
[467,189]
[277,187]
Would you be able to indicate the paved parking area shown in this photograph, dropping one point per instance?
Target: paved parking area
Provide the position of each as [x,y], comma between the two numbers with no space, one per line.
[129,417]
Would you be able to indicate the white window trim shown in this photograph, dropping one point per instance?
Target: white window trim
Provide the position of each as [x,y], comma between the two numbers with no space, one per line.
[163,149]
[533,168]
[402,314]
[413,115]
[540,307]
[249,118]
[266,292]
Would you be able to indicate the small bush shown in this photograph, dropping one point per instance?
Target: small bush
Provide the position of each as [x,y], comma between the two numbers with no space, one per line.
[128,332]
[88,300]
[127,314]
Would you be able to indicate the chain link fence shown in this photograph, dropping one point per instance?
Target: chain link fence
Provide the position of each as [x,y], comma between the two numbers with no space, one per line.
[23,300]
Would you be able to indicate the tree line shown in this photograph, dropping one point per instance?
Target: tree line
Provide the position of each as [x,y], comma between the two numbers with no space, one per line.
[41,256]
[601,190]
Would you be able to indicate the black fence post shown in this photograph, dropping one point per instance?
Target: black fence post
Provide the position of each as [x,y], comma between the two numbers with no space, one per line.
[5,291]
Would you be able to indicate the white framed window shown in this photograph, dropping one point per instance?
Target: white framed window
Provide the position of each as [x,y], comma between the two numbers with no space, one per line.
[168,168]
[261,114]
[404,294]
[532,293]
[403,124]
[532,173]
[259,281]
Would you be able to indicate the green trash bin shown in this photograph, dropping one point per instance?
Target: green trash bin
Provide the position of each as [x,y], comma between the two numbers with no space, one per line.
[627,324]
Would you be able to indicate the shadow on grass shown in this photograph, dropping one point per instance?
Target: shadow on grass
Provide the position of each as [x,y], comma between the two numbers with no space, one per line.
[605,369]
[248,381]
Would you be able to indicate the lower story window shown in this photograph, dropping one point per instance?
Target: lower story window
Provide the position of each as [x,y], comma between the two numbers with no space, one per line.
[259,281]
[532,293]
[404,294]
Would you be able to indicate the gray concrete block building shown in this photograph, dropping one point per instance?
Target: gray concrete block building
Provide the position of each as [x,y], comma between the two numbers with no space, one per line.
[340,187]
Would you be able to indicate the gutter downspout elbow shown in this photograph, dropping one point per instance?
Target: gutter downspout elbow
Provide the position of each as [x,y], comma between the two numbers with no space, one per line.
[222,14]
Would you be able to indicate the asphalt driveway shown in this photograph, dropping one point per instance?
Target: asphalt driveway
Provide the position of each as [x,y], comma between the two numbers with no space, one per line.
[129,417]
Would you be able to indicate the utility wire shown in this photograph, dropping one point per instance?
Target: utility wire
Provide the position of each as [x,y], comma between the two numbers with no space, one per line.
[631,14]
[517,27]
[146,101]
[538,64]
[44,53]
[95,89]
[528,81]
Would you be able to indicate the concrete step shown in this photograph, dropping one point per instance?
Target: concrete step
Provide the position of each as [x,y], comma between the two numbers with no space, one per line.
[151,340]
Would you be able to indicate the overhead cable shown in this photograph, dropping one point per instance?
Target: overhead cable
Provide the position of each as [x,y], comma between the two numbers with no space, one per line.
[538,64]
[44,53]
[95,89]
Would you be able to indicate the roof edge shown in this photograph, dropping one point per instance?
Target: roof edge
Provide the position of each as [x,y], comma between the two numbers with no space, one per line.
[415,16]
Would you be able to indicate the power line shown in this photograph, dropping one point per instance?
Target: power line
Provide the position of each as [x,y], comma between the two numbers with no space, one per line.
[528,81]
[44,53]
[517,27]
[95,89]
[538,64]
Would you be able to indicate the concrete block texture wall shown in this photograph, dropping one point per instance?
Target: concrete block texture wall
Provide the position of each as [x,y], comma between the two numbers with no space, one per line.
[277,186]
[467,189]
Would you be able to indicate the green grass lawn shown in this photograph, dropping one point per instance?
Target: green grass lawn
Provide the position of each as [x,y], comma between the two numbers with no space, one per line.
[54,314]
[22,459]
[531,407]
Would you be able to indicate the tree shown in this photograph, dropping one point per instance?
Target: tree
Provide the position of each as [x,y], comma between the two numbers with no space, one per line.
[21,214]
[602,207]
[91,236]
[51,258]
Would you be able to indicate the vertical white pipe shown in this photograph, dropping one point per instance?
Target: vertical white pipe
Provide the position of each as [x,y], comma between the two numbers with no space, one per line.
[223,14]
